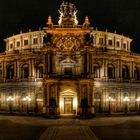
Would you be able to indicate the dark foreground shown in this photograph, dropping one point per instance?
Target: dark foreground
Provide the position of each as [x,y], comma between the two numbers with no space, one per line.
[15,131]
[35,128]
[130,130]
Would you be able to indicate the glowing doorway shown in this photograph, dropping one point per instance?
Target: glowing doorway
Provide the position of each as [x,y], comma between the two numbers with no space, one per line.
[68,102]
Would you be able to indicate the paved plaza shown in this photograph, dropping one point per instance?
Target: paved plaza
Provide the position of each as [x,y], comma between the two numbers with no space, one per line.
[38,128]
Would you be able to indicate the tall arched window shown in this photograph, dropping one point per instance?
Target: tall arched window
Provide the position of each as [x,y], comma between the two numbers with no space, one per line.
[25,71]
[111,72]
[125,72]
[136,73]
[96,70]
[10,72]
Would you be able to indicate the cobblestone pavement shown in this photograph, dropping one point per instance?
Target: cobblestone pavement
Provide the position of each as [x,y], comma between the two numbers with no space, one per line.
[68,133]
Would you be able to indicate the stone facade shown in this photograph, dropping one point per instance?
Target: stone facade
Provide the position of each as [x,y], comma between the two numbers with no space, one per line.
[69,69]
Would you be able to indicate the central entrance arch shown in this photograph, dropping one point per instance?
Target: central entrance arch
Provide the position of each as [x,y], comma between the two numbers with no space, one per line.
[68,102]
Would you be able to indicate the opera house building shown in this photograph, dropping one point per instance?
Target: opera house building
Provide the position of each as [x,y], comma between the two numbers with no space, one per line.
[69,69]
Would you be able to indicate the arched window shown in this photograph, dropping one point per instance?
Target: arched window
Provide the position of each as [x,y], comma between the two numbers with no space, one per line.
[10,72]
[136,73]
[96,70]
[111,72]
[25,71]
[39,72]
[125,72]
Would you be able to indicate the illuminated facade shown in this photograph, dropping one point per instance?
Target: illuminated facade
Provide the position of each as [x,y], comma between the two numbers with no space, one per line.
[69,69]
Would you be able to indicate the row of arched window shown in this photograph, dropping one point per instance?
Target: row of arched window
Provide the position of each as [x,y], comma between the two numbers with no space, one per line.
[111,72]
[24,72]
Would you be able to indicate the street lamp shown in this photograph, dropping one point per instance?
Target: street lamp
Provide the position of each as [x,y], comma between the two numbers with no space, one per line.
[126,100]
[27,99]
[138,101]
[10,99]
[109,99]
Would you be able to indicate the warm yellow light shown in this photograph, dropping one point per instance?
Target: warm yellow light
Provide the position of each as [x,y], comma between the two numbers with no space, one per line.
[75,103]
[110,99]
[27,98]
[10,98]
[126,99]
[61,103]
[138,99]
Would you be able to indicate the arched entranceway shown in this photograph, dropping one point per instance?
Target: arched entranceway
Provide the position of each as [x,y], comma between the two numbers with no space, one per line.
[68,102]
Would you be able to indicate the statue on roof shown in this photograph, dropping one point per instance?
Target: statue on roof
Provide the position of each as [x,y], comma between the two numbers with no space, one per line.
[67,10]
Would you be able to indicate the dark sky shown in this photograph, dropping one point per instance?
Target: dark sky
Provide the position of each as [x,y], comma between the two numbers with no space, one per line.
[120,15]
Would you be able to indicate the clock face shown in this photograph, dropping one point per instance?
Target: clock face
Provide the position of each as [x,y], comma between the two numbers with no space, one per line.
[68,44]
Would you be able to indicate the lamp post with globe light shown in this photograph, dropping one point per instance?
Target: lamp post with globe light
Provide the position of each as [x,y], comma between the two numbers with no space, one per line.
[10,100]
[126,101]
[27,100]
[110,100]
[138,104]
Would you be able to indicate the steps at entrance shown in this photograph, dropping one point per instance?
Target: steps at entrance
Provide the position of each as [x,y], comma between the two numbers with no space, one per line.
[68,116]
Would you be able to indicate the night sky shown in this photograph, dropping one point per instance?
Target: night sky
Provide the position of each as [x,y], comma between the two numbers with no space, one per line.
[120,15]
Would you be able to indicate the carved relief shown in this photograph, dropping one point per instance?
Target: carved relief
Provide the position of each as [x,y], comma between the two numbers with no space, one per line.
[68,44]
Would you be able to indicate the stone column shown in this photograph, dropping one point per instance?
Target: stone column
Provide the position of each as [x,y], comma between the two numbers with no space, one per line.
[114,42]
[101,100]
[44,62]
[106,40]
[51,62]
[117,73]
[120,69]
[21,42]
[48,64]
[44,99]
[57,98]
[33,67]
[88,94]
[105,72]
[18,70]
[88,63]
[15,69]
[82,64]
[30,41]
[4,70]
[54,62]
[30,68]
[47,99]
[104,69]
[121,43]
[79,98]
[92,100]
[95,39]
[131,70]
[48,90]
